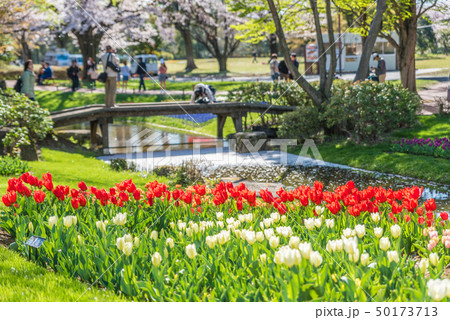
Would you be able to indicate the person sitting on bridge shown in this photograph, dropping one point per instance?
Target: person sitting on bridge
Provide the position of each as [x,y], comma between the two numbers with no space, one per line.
[48,72]
[203,94]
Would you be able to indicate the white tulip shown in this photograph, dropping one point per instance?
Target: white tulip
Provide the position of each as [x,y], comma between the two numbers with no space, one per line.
[260,236]
[191,251]
[384,243]
[339,245]
[274,241]
[393,256]
[30,226]
[351,245]
[80,240]
[154,235]
[275,216]
[318,222]
[249,218]
[331,246]
[375,217]
[378,232]
[219,216]
[278,258]
[128,248]
[347,232]
[434,259]
[329,223]
[283,219]
[181,225]
[101,226]
[396,231]
[211,241]
[437,289]
[309,223]
[294,242]
[219,224]
[170,242]
[261,225]
[316,258]
[365,259]
[172,225]
[319,210]
[52,221]
[189,232]
[263,257]
[268,233]
[223,237]
[268,222]
[156,259]
[284,231]
[360,230]
[120,243]
[69,221]
[136,242]
[354,256]
[250,236]
[305,249]
[120,219]
[423,265]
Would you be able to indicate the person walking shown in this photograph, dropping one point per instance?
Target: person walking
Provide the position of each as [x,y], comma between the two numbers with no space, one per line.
[274,72]
[254,55]
[141,70]
[110,63]
[125,71]
[295,62]
[92,72]
[162,75]
[28,80]
[381,68]
[73,73]
[41,73]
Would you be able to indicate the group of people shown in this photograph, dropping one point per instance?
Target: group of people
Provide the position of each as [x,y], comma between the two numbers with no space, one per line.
[45,72]
[279,69]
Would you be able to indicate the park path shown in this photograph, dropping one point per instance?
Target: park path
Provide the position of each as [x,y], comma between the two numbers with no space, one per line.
[431,94]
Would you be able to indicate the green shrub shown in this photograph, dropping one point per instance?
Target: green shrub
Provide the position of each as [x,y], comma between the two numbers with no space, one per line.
[122,165]
[12,166]
[303,123]
[27,121]
[366,110]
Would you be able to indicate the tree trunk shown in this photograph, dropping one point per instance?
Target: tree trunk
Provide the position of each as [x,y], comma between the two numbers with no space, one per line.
[222,59]
[406,54]
[369,42]
[26,52]
[186,34]
[314,94]
[272,39]
[407,65]
[88,43]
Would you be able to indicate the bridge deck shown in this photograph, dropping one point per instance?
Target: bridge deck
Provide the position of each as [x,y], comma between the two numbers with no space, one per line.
[99,115]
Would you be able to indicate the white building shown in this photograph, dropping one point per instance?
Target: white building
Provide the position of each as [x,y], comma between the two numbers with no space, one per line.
[352,49]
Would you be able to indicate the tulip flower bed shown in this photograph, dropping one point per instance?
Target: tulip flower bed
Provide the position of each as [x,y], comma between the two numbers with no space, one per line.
[437,147]
[225,244]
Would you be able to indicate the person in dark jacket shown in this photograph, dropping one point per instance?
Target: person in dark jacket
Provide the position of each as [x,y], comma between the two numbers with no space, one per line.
[381,68]
[284,71]
[73,73]
[142,72]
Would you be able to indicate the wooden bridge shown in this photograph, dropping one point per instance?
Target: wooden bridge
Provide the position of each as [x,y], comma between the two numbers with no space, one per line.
[99,115]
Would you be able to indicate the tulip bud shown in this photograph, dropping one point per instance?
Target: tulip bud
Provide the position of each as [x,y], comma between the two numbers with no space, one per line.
[156,259]
[136,242]
[423,265]
[248,218]
[127,238]
[80,240]
[360,230]
[283,219]
[52,221]
[318,222]
[330,223]
[378,232]
[316,258]
[438,288]
[170,242]
[260,236]
[120,243]
[384,243]
[250,236]
[365,259]
[67,221]
[395,231]
[309,223]
[305,249]
[172,225]
[275,216]
[294,242]
[30,227]
[434,259]
[375,217]
[211,241]
[128,248]
[347,232]
[263,257]
[274,241]
[277,258]
[219,216]
[191,251]
[154,235]
[393,256]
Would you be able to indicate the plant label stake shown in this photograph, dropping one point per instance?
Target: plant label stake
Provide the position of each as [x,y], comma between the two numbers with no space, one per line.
[34,242]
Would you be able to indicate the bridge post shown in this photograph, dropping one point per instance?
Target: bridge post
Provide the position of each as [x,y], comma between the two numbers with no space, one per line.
[237,120]
[94,126]
[104,122]
[220,124]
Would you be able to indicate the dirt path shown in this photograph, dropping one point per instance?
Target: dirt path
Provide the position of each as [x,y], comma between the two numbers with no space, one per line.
[430,95]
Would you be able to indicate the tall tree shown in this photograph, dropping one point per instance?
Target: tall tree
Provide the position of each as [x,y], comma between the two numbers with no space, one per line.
[123,22]
[426,39]
[213,29]
[366,54]
[178,13]
[322,94]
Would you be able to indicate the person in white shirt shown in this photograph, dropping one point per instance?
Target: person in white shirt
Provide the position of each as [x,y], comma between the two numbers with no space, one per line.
[111,82]
[125,75]
[201,92]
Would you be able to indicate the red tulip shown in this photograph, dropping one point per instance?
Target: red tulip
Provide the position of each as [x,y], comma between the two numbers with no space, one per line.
[421,220]
[136,195]
[420,211]
[82,186]
[407,218]
[75,203]
[444,216]
[239,205]
[430,205]
[39,196]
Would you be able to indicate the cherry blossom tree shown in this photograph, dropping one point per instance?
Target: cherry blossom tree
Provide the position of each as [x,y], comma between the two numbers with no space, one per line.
[100,22]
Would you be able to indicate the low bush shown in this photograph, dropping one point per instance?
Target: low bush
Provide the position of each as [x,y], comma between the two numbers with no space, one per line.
[27,121]
[12,166]
[366,110]
[122,165]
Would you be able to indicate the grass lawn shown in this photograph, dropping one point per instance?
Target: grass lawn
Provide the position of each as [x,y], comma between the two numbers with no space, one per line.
[23,281]
[379,157]
[432,61]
